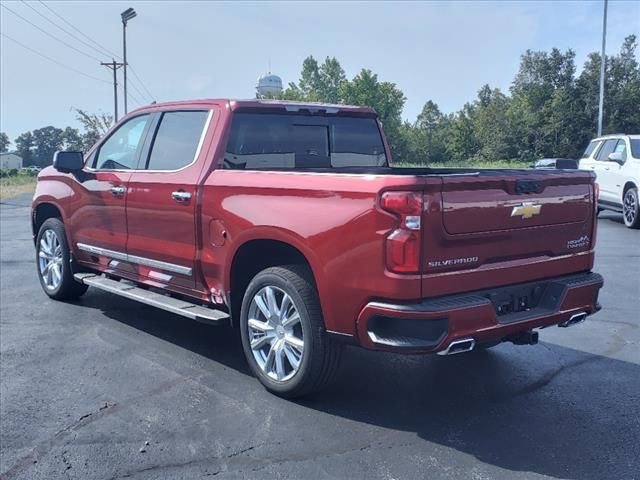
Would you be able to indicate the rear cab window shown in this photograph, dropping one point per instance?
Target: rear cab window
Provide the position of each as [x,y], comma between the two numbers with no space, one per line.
[607,148]
[176,139]
[290,141]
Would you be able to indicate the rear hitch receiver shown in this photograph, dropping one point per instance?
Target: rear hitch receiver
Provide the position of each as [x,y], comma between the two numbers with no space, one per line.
[526,337]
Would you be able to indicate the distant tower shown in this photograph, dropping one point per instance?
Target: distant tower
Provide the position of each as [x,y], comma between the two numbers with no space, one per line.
[269,85]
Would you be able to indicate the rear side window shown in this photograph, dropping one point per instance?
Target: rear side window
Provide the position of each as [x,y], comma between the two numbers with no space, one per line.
[590,148]
[606,149]
[176,140]
[635,148]
[264,141]
[621,148]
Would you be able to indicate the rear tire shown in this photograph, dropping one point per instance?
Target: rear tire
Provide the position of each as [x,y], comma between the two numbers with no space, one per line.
[283,334]
[631,208]
[53,261]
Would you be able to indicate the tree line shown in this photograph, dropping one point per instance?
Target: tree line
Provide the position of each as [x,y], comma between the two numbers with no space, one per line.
[549,111]
[37,147]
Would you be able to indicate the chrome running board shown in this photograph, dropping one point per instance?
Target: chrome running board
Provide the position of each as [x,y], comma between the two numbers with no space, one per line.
[158,300]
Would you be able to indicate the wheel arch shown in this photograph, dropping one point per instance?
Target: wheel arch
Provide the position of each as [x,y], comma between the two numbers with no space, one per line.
[41,213]
[629,184]
[255,255]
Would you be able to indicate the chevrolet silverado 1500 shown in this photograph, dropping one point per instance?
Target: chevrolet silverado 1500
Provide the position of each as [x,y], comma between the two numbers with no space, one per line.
[289,222]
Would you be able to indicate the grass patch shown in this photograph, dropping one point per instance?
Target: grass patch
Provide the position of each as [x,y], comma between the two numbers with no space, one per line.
[15,185]
[469,164]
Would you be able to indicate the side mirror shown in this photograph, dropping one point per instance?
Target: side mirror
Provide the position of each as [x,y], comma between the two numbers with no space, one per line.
[68,162]
[616,157]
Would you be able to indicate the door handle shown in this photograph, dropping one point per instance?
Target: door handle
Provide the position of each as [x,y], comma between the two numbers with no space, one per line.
[181,196]
[117,190]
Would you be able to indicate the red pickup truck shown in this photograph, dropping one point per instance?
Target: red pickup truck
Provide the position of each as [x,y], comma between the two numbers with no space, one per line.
[289,222]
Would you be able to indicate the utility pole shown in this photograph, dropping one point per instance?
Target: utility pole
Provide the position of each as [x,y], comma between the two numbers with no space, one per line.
[603,63]
[113,65]
[127,15]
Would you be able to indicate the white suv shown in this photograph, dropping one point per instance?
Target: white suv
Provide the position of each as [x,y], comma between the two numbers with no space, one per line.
[616,161]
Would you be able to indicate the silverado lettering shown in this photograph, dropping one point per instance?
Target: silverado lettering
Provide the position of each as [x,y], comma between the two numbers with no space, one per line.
[290,222]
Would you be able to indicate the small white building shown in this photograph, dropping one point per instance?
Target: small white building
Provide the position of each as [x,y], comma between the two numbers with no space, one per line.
[9,161]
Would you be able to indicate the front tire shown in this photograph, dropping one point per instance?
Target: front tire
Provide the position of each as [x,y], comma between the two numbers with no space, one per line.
[53,259]
[631,208]
[283,333]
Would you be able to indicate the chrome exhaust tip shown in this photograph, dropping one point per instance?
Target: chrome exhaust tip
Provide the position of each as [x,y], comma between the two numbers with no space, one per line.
[461,345]
[574,320]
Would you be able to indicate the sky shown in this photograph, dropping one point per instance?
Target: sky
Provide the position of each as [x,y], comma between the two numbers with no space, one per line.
[440,51]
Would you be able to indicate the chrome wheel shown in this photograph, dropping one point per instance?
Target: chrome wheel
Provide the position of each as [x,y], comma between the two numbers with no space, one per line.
[630,207]
[50,260]
[275,333]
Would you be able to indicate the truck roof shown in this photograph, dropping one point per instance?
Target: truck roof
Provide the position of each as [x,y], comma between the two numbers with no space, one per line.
[253,103]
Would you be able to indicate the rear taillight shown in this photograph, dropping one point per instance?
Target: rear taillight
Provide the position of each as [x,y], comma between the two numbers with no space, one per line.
[596,195]
[403,244]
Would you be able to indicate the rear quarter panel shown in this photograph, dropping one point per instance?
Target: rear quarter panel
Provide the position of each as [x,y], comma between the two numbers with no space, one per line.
[332,219]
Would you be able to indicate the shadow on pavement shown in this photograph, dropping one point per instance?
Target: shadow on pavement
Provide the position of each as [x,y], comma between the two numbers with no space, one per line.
[545,409]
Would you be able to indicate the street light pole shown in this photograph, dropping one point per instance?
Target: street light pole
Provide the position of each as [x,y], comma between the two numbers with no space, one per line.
[124,56]
[603,62]
[127,15]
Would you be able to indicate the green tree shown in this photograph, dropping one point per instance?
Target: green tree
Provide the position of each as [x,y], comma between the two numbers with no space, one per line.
[47,141]
[384,97]
[545,82]
[430,134]
[4,142]
[95,126]
[331,77]
[72,140]
[309,83]
[491,125]
[25,148]
[461,142]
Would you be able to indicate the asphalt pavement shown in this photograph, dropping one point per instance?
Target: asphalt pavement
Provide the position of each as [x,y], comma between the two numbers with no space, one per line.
[105,388]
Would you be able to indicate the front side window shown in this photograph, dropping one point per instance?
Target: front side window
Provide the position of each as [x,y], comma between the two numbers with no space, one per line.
[119,151]
[264,140]
[176,140]
[606,149]
[590,148]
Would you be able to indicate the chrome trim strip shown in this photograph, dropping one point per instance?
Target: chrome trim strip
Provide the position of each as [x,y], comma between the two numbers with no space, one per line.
[149,262]
[338,173]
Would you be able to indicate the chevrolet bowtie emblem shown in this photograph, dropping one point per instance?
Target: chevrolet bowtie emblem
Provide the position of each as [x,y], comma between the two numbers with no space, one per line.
[526,210]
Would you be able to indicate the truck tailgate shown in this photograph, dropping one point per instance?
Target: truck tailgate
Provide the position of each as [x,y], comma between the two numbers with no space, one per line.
[498,220]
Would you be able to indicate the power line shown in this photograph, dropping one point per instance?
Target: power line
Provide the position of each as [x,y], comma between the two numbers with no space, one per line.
[101,52]
[110,53]
[49,34]
[101,47]
[137,89]
[141,83]
[52,60]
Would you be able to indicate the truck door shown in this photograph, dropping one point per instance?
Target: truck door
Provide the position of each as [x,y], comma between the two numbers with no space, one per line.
[161,206]
[604,175]
[98,216]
